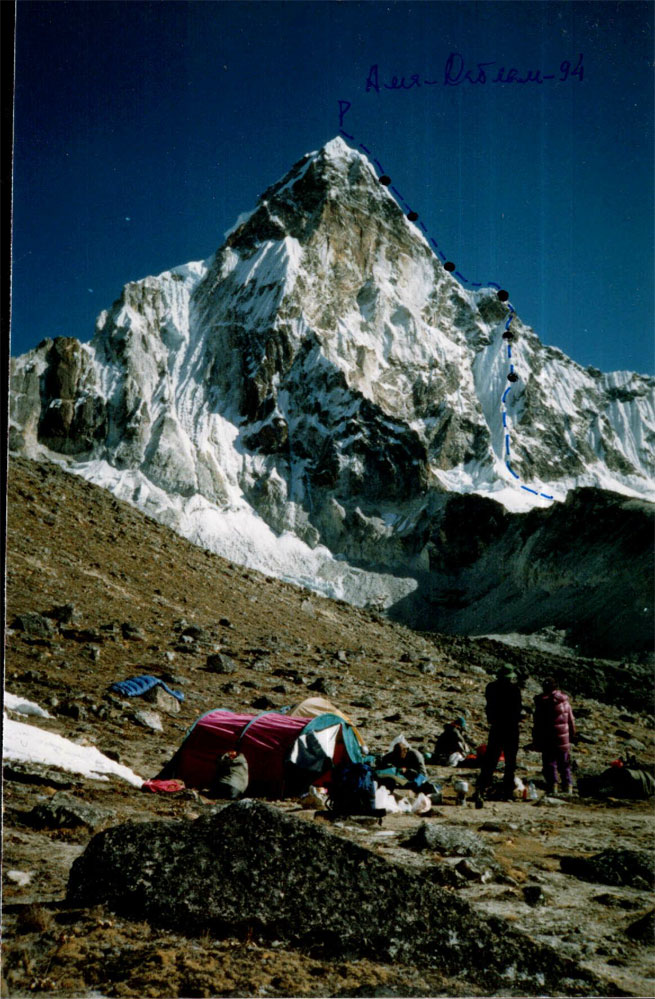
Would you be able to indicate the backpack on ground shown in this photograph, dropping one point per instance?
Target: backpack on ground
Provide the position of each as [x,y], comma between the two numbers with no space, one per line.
[352,790]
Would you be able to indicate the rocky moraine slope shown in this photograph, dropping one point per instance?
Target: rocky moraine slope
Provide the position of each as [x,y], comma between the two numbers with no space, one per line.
[111,891]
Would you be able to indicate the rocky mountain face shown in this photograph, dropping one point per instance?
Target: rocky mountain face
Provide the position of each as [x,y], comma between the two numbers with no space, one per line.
[322,400]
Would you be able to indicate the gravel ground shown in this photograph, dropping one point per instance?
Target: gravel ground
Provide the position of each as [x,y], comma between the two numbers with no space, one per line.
[135,589]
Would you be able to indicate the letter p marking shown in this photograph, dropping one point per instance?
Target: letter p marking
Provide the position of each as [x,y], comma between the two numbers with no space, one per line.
[344,106]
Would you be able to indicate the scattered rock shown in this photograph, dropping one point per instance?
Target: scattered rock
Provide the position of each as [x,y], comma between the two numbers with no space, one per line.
[173,678]
[196,633]
[62,811]
[39,774]
[533,895]
[218,662]
[473,872]
[187,645]
[85,635]
[34,625]
[323,686]
[32,676]
[132,632]
[616,901]
[261,666]
[162,700]
[73,709]
[643,929]
[443,874]
[262,703]
[148,719]
[634,868]
[64,613]
[110,628]
[34,918]
[448,840]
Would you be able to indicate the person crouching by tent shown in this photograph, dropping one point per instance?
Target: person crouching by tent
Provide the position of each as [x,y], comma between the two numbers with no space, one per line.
[231,776]
[552,733]
[405,759]
[451,747]
[503,708]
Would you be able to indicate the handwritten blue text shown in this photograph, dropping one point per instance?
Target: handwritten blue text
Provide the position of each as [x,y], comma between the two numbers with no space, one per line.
[457,72]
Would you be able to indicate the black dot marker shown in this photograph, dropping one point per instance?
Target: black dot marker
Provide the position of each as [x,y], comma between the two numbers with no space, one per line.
[503,295]
[508,335]
[449,266]
[512,377]
[384,180]
[412,216]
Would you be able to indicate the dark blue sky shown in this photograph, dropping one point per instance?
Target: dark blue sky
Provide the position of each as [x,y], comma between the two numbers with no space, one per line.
[143,129]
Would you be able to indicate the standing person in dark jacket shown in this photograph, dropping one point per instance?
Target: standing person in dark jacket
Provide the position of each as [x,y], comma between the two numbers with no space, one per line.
[504,716]
[552,733]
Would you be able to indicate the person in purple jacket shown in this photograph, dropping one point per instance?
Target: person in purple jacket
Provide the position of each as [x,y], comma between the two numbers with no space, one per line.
[552,733]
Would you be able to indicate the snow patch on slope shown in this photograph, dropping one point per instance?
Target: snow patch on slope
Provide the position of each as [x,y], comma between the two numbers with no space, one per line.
[22,706]
[24,743]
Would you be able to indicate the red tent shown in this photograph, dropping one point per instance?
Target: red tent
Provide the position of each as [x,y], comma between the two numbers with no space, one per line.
[277,747]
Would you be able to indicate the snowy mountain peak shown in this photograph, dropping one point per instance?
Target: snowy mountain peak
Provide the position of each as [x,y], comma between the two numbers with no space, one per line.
[338,150]
[310,395]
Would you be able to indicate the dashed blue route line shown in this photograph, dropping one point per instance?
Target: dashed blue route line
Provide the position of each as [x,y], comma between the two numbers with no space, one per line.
[503,296]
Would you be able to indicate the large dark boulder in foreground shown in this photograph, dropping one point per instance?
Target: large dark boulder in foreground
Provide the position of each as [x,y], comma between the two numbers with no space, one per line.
[251,869]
